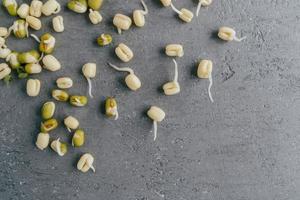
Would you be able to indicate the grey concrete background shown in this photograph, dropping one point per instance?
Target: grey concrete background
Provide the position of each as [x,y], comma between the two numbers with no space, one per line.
[245,146]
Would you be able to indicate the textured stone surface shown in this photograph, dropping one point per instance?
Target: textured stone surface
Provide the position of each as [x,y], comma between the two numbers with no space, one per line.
[245,146]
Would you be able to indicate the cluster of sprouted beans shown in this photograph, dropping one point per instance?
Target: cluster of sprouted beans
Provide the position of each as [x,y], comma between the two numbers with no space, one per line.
[25,64]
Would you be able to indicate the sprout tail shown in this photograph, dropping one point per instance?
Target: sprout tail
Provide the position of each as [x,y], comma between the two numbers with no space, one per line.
[155,130]
[117,115]
[35,37]
[175,9]
[124,69]
[209,88]
[176,71]
[239,39]
[145,12]
[90,87]
[198,8]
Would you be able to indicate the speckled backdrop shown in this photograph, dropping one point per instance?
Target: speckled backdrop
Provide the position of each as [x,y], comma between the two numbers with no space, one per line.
[245,146]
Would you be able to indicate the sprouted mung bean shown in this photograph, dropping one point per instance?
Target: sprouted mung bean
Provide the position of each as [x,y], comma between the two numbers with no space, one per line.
[48,110]
[78,138]
[33,87]
[47,43]
[31,56]
[78,6]
[104,39]
[4,70]
[89,71]
[131,80]
[59,147]
[111,108]
[19,29]
[23,10]
[173,87]
[157,115]
[49,125]
[11,6]
[64,82]
[95,16]
[78,101]
[35,9]
[122,22]
[58,24]
[95,4]
[202,3]
[42,141]
[228,34]
[51,7]
[124,52]
[60,95]
[174,50]
[13,61]
[204,71]
[71,123]
[34,22]
[51,63]
[139,15]
[184,14]
[85,163]
[33,68]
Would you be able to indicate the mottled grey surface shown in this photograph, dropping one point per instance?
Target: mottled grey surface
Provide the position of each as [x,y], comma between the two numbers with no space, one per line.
[245,146]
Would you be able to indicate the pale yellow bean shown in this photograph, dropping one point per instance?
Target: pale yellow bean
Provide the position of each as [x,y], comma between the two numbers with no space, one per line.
[58,24]
[95,16]
[33,87]
[89,70]
[122,22]
[124,52]
[71,123]
[186,15]
[23,10]
[85,163]
[157,115]
[51,7]
[35,9]
[229,34]
[204,69]
[139,15]
[131,80]
[34,22]
[174,50]
[64,83]
[42,141]
[51,63]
